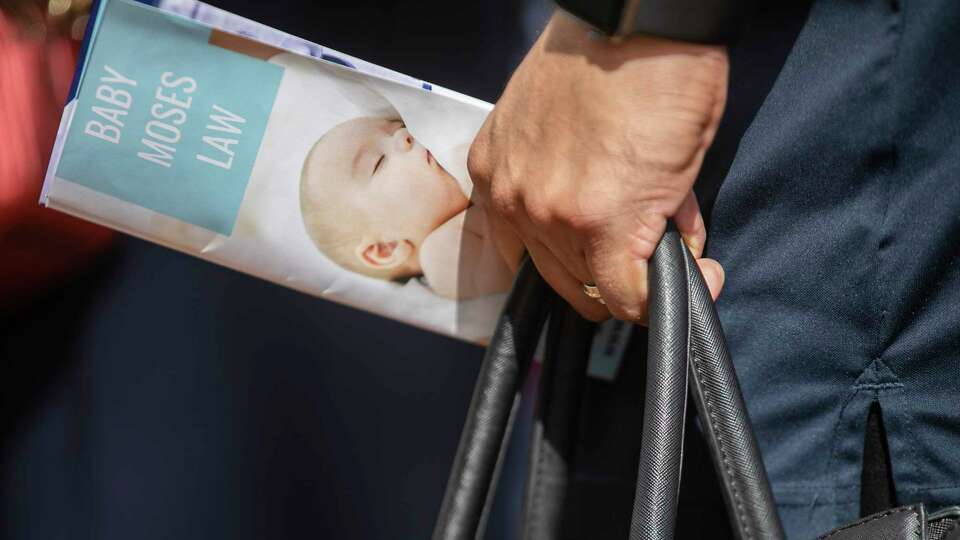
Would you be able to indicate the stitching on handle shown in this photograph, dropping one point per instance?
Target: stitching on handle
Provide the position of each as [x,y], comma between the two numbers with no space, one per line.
[879,516]
[738,500]
[537,493]
[737,497]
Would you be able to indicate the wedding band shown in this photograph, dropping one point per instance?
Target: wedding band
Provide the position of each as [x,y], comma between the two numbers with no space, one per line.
[592,291]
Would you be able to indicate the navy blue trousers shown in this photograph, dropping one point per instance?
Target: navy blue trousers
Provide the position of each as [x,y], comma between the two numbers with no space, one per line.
[835,193]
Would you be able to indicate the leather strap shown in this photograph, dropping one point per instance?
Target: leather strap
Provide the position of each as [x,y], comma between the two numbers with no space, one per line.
[664,408]
[506,363]
[685,334]
[904,523]
[726,424]
[556,422]
[685,338]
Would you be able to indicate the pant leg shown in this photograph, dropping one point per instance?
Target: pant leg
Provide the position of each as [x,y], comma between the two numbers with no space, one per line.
[836,224]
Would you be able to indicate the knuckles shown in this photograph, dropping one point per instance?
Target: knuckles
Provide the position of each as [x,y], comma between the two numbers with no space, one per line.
[540,209]
[478,163]
[547,208]
[516,193]
[504,200]
[579,212]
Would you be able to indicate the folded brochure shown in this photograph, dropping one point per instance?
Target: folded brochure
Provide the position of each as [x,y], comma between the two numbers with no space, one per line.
[220,137]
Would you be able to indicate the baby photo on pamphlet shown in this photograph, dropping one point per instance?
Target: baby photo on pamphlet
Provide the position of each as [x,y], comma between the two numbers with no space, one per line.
[367,197]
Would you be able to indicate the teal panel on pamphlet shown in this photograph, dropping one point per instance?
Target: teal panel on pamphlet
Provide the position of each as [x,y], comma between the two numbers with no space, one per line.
[167,121]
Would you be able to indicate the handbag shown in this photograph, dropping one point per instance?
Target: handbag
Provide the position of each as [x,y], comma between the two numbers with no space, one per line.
[686,356]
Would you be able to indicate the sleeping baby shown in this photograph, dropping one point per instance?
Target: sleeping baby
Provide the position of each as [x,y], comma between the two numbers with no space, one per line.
[376,202]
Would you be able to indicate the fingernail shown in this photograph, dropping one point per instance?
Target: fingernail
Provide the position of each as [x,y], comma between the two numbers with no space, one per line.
[714,275]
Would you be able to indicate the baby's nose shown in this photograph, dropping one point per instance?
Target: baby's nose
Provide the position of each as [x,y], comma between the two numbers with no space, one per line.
[403,140]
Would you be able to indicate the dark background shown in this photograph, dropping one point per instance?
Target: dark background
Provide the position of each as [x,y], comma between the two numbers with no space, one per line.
[155,395]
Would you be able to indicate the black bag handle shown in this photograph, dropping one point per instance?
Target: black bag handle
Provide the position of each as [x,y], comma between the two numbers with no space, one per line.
[555,429]
[665,404]
[723,415]
[685,340]
[505,365]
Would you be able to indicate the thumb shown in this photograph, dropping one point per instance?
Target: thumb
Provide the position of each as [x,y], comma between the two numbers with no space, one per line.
[713,275]
[689,222]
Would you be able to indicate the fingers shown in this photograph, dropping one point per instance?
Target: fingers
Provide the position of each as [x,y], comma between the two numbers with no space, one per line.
[689,222]
[620,270]
[570,256]
[618,263]
[713,274]
[566,285]
[623,287]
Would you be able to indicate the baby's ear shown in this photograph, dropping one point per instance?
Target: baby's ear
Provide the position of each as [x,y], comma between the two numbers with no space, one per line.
[384,255]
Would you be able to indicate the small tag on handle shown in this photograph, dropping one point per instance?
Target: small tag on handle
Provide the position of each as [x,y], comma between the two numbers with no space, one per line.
[606,353]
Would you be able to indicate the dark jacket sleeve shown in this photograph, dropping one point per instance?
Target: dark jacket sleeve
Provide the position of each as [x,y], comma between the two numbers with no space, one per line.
[701,21]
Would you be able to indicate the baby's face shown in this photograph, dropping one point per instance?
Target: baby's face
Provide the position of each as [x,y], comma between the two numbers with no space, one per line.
[389,175]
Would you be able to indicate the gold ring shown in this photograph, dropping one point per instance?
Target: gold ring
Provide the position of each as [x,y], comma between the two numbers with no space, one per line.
[592,291]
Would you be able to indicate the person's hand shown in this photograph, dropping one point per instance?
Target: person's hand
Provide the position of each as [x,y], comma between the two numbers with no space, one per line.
[591,148]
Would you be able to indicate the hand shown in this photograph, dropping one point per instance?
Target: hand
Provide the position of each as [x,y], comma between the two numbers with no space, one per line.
[591,148]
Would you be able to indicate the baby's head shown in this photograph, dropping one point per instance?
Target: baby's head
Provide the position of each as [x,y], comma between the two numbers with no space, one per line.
[370,194]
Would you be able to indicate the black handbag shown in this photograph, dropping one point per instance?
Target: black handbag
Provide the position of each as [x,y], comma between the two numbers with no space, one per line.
[686,355]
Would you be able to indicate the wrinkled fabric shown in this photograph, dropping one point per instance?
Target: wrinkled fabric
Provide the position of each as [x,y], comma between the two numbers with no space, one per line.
[837,225]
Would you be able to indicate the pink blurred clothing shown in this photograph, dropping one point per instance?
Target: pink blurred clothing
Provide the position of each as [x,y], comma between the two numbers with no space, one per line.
[38,247]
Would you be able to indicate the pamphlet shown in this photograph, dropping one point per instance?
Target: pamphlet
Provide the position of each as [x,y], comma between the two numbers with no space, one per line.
[220,137]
